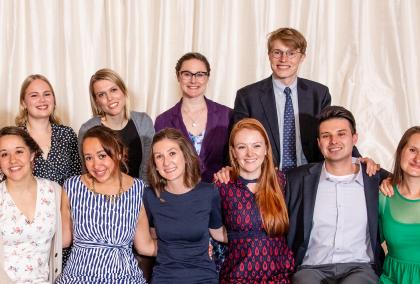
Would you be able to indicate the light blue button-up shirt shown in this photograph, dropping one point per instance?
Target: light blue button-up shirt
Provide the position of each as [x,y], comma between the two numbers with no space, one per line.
[280,98]
[340,231]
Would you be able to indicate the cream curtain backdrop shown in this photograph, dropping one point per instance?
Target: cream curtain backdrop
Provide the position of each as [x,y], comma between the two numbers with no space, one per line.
[366,51]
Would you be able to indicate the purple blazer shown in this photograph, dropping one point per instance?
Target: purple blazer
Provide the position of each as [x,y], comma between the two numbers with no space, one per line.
[214,150]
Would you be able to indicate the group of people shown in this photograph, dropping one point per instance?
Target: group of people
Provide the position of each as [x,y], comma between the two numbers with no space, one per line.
[278,179]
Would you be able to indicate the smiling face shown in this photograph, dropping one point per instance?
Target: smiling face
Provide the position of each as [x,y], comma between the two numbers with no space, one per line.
[169,160]
[15,158]
[193,87]
[284,69]
[39,99]
[109,97]
[336,140]
[98,163]
[249,150]
[410,157]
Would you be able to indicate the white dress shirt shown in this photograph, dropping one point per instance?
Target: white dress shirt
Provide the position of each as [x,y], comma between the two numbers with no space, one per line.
[340,231]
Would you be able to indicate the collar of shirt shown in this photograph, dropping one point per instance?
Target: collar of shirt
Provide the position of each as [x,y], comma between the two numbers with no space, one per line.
[358,177]
[280,86]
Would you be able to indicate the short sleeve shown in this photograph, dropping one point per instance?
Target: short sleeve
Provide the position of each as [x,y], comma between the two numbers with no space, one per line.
[215,220]
[147,195]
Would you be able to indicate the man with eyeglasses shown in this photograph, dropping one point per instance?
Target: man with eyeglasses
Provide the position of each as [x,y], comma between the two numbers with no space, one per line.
[285,104]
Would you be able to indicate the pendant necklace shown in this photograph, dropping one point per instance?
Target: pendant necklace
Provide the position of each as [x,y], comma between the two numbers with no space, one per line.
[109,197]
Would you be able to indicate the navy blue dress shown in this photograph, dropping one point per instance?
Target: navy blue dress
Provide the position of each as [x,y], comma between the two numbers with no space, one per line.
[182,225]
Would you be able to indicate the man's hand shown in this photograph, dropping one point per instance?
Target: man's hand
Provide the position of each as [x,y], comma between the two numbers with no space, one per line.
[223,175]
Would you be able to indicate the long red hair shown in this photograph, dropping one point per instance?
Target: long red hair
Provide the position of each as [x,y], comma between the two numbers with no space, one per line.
[269,195]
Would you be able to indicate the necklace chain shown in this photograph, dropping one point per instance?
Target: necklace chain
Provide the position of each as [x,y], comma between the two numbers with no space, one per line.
[194,122]
[109,197]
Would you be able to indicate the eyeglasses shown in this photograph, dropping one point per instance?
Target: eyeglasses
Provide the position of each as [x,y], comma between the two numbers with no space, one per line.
[277,53]
[199,76]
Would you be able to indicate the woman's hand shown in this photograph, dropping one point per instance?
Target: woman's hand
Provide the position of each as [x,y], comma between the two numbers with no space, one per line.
[371,166]
[66,222]
[219,234]
[144,242]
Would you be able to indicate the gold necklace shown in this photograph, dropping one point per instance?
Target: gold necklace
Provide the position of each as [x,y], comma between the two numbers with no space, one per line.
[109,197]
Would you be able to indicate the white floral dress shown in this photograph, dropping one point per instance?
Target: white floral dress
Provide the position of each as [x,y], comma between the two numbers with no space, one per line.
[27,244]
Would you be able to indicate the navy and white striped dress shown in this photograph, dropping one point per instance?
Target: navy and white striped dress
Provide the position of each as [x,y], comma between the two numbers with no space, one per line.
[103,234]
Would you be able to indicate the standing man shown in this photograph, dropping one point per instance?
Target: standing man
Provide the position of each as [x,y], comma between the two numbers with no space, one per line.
[333,209]
[286,105]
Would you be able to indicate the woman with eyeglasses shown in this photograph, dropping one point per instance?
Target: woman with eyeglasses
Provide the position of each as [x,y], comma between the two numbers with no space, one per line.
[199,119]
[203,122]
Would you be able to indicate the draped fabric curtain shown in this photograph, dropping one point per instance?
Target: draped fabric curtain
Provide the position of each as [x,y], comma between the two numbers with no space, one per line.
[365,51]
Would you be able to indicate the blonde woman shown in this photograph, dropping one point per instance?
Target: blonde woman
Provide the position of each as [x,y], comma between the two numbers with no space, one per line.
[59,157]
[111,108]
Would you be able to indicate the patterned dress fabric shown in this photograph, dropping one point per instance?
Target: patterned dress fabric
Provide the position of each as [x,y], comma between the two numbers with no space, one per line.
[399,223]
[63,160]
[252,256]
[103,234]
[27,244]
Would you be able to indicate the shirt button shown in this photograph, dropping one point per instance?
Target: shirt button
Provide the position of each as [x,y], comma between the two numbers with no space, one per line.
[56,254]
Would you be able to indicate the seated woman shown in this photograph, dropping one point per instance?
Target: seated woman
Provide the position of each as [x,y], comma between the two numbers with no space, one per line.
[30,224]
[103,215]
[399,215]
[181,210]
[254,211]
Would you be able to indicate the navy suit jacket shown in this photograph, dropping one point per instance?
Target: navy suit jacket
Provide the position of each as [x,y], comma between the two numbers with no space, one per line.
[257,101]
[301,189]
[214,150]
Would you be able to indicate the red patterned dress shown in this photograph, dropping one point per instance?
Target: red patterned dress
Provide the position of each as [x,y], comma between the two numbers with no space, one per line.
[252,256]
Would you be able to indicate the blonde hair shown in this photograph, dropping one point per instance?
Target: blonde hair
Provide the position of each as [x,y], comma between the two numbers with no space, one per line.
[290,37]
[112,76]
[22,116]
[269,196]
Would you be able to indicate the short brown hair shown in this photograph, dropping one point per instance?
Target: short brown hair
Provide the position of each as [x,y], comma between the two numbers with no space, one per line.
[398,175]
[269,196]
[112,76]
[192,164]
[189,56]
[112,144]
[337,112]
[290,37]
[22,117]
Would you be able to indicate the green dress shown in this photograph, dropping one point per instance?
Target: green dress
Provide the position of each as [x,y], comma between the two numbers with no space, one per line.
[399,222]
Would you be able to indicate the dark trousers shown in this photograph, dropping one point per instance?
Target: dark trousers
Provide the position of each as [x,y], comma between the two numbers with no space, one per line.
[342,273]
